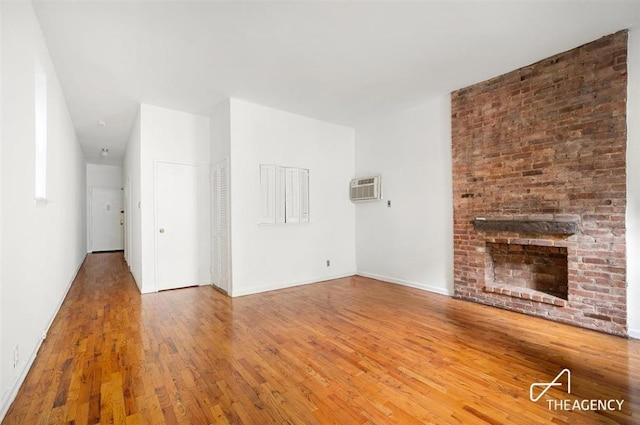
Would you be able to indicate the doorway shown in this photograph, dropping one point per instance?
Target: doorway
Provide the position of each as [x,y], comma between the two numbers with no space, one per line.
[107,218]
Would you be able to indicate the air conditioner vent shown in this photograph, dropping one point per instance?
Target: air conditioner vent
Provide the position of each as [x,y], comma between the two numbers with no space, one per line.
[367,189]
[366,181]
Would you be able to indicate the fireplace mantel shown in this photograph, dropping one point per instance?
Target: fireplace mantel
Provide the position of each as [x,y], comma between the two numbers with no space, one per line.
[544,227]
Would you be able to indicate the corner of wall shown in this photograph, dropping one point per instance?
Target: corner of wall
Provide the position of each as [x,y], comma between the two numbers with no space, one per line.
[264,135]
[131,171]
[220,131]
[409,148]
[447,291]
[2,401]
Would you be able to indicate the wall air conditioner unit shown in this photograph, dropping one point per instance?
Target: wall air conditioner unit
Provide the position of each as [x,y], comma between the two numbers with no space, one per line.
[367,189]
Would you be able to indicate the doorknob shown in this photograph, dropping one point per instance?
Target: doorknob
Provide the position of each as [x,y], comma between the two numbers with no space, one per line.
[161,230]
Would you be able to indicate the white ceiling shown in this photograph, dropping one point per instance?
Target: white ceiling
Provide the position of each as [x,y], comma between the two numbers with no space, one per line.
[336,61]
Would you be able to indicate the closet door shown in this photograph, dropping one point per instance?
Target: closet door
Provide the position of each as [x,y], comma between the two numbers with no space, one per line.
[177,232]
[220,226]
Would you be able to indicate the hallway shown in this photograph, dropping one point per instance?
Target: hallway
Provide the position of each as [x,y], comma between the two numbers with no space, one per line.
[347,351]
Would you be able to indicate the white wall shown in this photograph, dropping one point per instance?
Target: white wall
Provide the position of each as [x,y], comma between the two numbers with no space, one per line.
[266,257]
[133,213]
[411,242]
[633,184]
[174,136]
[42,245]
[220,122]
[2,398]
[99,175]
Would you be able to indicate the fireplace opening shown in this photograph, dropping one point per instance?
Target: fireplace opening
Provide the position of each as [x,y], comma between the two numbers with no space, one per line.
[533,272]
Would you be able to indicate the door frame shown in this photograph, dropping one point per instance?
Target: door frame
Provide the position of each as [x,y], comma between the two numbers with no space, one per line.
[155,210]
[127,221]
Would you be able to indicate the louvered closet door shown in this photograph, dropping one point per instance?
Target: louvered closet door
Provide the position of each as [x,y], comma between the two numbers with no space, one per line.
[220,226]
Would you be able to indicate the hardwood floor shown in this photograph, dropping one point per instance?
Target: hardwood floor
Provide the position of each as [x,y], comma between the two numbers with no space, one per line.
[348,351]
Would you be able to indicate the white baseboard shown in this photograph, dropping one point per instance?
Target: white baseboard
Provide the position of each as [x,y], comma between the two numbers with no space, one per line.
[24,366]
[634,333]
[436,289]
[274,287]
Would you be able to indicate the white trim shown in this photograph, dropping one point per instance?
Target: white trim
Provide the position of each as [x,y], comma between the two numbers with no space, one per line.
[634,333]
[277,286]
[9,396]
[435,289]
[127,221]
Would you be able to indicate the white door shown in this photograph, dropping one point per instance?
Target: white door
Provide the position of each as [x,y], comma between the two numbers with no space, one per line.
[177,233]
[106,216]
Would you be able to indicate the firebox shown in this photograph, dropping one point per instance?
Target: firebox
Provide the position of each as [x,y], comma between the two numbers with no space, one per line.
[527,271]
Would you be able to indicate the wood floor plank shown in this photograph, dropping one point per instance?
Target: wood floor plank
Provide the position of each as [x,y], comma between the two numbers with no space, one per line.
[347,351]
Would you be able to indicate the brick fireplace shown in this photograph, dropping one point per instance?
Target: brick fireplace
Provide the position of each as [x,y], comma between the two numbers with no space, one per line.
[539,185]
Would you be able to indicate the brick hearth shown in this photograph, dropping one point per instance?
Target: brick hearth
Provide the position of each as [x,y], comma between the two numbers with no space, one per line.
[542,146]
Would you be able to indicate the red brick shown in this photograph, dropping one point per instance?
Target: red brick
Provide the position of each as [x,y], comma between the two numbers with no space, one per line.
[547,141]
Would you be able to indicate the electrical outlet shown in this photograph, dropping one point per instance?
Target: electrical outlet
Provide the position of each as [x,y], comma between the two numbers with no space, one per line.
[16,356]
[328,263]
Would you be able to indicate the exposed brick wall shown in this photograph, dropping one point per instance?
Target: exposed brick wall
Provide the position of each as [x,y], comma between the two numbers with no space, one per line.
[548,141]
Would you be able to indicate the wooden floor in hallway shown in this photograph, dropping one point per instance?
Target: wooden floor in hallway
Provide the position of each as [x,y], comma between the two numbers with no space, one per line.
[347,351]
